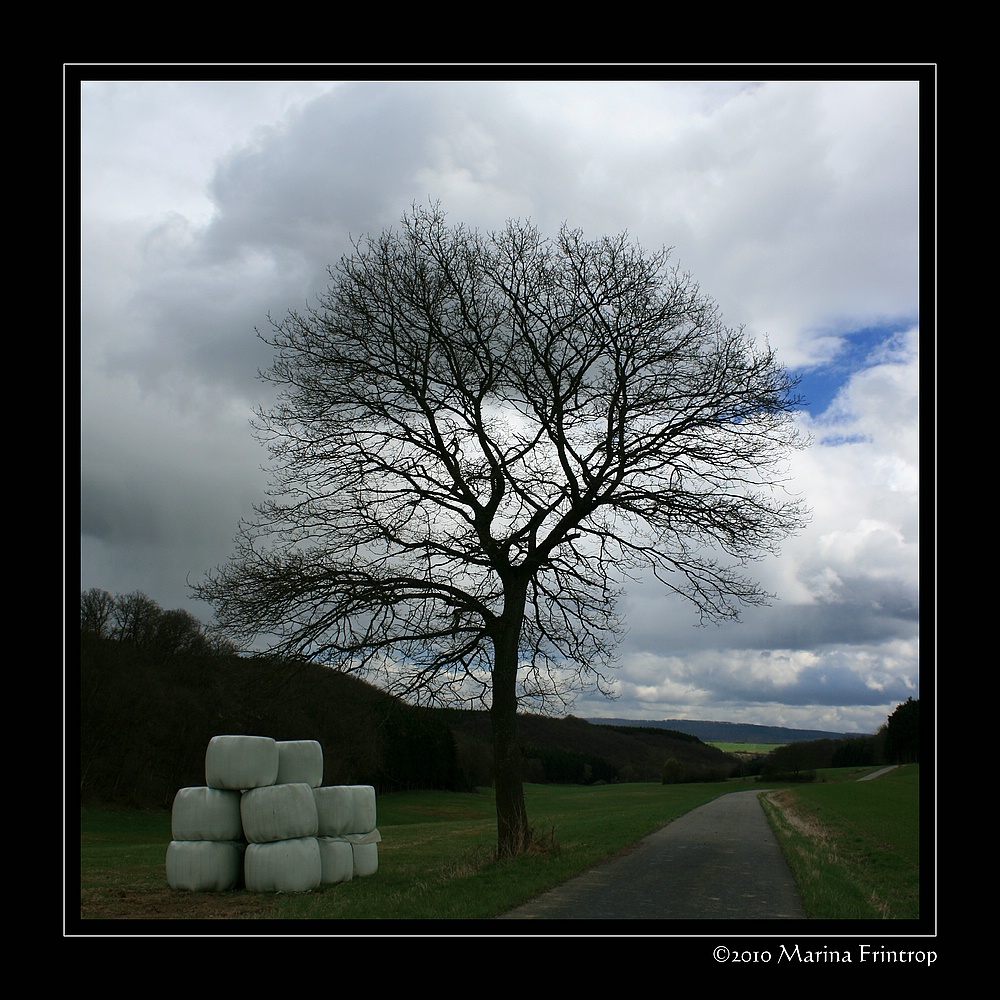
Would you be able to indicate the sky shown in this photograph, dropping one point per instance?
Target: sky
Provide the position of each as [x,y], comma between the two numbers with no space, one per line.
[207,204]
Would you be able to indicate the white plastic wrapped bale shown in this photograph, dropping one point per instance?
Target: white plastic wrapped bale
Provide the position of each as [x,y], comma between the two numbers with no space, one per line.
[201,813]
[238,762]
[344,809]
[205,865]
[279,812]
[364,847]
[284,866]
[337,856]
[300,760]
[363,820]
[334,809]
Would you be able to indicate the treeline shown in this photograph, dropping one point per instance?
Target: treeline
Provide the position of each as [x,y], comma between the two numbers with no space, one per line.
[898,741]
[571,750]
[140,622]
[155,688]
[556,766]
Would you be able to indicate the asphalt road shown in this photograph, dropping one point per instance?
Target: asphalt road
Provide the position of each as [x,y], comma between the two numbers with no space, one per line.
[719,861]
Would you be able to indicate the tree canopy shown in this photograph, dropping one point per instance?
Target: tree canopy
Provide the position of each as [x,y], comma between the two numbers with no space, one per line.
[477,439]
[137,619]
[903,733]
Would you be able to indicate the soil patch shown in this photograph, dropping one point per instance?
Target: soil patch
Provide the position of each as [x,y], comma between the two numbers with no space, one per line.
[170,904]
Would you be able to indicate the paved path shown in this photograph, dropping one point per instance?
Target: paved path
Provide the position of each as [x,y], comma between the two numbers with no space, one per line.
[719,861]
[878,774]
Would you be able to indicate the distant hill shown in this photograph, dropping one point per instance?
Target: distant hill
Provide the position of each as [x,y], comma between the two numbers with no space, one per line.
[731,732]
[570,749]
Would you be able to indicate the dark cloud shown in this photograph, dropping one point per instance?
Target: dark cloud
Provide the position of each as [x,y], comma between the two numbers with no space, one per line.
[667,628]
[344,163]
[117,512]
[287,205]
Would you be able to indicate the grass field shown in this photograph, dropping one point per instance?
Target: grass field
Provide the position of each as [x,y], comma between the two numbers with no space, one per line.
[854,847]
[436,856]
[435,859]
[758,748]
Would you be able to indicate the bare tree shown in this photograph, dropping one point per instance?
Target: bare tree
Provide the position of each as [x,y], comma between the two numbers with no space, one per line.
[477,439]
[96,611]
[135,618]
[178,631]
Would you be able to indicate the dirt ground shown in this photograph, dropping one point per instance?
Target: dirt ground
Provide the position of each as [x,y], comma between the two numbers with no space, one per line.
[169,904]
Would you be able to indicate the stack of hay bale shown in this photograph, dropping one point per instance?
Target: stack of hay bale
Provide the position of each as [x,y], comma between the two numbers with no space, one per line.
[266,820]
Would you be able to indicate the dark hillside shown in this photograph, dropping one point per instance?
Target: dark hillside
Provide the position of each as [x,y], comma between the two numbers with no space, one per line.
[572,750]
[146,720]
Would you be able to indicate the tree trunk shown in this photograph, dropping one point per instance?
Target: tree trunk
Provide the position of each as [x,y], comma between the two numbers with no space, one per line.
[513,833]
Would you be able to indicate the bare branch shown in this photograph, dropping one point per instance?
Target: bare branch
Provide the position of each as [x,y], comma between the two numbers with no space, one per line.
[478,437]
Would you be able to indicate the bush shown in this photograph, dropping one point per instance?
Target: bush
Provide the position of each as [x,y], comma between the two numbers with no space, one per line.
[676,773]
[747,766]
[797,758]
[790,776]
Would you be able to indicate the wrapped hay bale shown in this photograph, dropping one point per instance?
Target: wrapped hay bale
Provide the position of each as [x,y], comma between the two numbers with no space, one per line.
[205,865]
[284,865]
[334,809]
[300,760]
[344,809]
[365,859]
[337,856]
[236,762]
[364,809]
[202,813]
[364,847]
[279,812]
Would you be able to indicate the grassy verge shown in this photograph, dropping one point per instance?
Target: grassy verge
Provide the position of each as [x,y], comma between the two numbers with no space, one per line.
[435,860]
[853,846]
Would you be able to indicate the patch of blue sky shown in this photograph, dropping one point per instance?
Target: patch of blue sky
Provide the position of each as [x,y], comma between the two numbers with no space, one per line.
[858,349]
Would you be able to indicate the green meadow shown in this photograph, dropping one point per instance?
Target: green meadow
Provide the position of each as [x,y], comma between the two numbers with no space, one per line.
[852,847]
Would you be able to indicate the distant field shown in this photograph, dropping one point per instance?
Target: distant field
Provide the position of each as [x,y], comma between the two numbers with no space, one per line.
[760,748]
